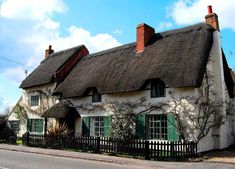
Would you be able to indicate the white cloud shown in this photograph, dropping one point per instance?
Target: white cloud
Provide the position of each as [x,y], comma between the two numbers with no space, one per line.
[76,36]
[31,9]
[164,25]
[37,29]
[16,75]
[5,103]
[117,32]
[193,11]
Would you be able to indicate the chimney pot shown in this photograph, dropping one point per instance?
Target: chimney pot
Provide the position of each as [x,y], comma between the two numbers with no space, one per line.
[48,51]
[210,9]
[212,18]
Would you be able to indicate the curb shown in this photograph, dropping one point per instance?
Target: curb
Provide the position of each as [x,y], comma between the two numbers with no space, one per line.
[61,155]
[222,162]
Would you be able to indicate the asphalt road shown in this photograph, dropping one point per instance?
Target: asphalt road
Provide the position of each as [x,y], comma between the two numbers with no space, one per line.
[20,160]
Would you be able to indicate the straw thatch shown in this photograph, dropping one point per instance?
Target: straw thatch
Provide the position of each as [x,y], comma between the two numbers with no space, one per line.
[61,110]
[178,57]
[43,74]
[228,77]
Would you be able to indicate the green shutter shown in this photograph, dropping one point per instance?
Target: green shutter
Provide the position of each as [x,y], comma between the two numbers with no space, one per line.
[172,133]
[106,126]
[39,125]
[85,126]
[140,126]
[29,125]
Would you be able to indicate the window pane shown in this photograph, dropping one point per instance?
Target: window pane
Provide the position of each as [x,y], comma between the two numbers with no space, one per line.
[99,126]
[157,88]
[14,126]
[34,100]
[96,97]
[157,127]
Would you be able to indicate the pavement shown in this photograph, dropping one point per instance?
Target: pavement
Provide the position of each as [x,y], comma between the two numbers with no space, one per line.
[219,156]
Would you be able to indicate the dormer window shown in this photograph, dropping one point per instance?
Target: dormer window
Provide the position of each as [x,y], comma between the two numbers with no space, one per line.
[34,100]
[158,88]
[96,97]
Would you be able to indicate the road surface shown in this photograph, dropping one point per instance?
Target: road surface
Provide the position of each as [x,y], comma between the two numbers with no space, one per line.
[21,160]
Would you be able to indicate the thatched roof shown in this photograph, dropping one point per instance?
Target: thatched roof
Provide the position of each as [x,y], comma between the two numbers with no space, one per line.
[43,74]
[233,76]
[61,110]
[177,57]
[228,77]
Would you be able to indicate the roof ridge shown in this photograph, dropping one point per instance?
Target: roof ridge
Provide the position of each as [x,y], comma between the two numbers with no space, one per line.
[61,51]
[113,49]
[183,29]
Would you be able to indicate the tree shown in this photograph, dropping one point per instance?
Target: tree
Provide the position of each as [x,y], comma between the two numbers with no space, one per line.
[122,121]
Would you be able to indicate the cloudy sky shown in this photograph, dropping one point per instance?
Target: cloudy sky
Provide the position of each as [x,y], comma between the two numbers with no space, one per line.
[27,27]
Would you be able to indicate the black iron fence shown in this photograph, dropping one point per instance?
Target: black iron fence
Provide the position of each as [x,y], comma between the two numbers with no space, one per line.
[148,149]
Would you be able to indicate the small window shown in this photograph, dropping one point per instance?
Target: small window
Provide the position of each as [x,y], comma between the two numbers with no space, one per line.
[157,127]
[14,125]
[96,97]
[158,89]
[34,100]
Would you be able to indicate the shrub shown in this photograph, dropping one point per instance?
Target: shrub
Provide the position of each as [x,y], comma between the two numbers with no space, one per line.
[6,133]
[3,122]
[59,130]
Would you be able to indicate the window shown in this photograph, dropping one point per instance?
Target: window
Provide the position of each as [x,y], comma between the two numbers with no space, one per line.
[34,100]
[99,126]
[96,97]
[14,125]
[35,125]
[157,127]
[96,126]
[157,88]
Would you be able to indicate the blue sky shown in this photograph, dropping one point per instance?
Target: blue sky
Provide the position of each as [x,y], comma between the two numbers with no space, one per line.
[27,27]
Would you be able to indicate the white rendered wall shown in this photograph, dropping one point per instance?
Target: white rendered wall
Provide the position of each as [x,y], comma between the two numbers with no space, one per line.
[34,112]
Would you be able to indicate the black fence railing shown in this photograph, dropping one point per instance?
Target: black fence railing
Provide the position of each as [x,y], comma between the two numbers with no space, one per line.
[148,149]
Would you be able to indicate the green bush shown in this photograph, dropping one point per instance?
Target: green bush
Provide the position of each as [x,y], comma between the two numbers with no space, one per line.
[6,133]
[3,121]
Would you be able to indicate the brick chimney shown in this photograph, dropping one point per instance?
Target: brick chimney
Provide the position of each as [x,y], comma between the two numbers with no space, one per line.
[212,18]
[48,51]
[144,33]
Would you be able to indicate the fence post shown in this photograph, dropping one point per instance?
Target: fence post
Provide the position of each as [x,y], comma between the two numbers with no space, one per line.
[27,138]
[98,144]
[172,151]
[147,150]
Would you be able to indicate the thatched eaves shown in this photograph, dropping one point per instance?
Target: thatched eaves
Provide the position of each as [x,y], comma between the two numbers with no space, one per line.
[44,73]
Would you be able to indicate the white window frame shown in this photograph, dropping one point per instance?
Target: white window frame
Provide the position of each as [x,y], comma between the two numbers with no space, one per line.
[31,102]
[97,126]
[157,126]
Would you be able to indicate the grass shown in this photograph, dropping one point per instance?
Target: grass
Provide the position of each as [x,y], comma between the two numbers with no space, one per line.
[19,142]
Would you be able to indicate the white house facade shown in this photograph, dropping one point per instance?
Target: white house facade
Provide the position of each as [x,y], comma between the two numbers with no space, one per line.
[175,84]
